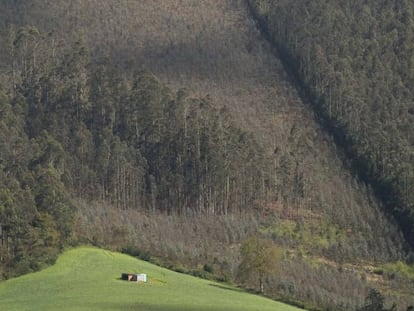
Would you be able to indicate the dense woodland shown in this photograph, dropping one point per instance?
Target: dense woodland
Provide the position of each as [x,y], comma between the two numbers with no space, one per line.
[355,61]
[172,131]
[73,128]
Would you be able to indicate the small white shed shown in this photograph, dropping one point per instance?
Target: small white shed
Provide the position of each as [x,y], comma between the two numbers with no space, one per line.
[142,277]
[133,277]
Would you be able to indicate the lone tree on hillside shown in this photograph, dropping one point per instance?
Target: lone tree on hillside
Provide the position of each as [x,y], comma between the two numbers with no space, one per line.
[260,257]
[375,302]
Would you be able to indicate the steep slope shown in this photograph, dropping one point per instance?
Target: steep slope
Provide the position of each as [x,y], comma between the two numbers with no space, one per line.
[317,207]
[355,61]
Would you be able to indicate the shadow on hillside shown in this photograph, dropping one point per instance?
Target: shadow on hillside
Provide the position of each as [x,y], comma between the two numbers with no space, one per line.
[155,307]
[227,288]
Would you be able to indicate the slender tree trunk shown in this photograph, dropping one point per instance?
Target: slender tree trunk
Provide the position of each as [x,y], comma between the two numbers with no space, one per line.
[261,285]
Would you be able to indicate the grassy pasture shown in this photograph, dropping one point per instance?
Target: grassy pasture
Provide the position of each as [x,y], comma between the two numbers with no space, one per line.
[87,278]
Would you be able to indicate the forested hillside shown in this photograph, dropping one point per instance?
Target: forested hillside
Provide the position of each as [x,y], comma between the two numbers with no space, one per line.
[171,129]
[89,133]
[355,60]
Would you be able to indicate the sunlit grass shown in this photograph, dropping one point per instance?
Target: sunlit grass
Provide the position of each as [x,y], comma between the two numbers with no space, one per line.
[401,268]
[87,278]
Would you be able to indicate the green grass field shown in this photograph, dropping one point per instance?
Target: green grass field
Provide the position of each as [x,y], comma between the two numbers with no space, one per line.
[87,278]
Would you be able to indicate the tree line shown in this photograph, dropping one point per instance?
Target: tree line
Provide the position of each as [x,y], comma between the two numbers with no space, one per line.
[354,60]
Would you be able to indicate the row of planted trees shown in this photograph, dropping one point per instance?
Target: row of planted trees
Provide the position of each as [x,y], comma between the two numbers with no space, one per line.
[134,142]
[130,140]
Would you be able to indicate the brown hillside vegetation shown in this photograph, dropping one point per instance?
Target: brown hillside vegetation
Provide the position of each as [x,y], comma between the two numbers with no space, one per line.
[312,205]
